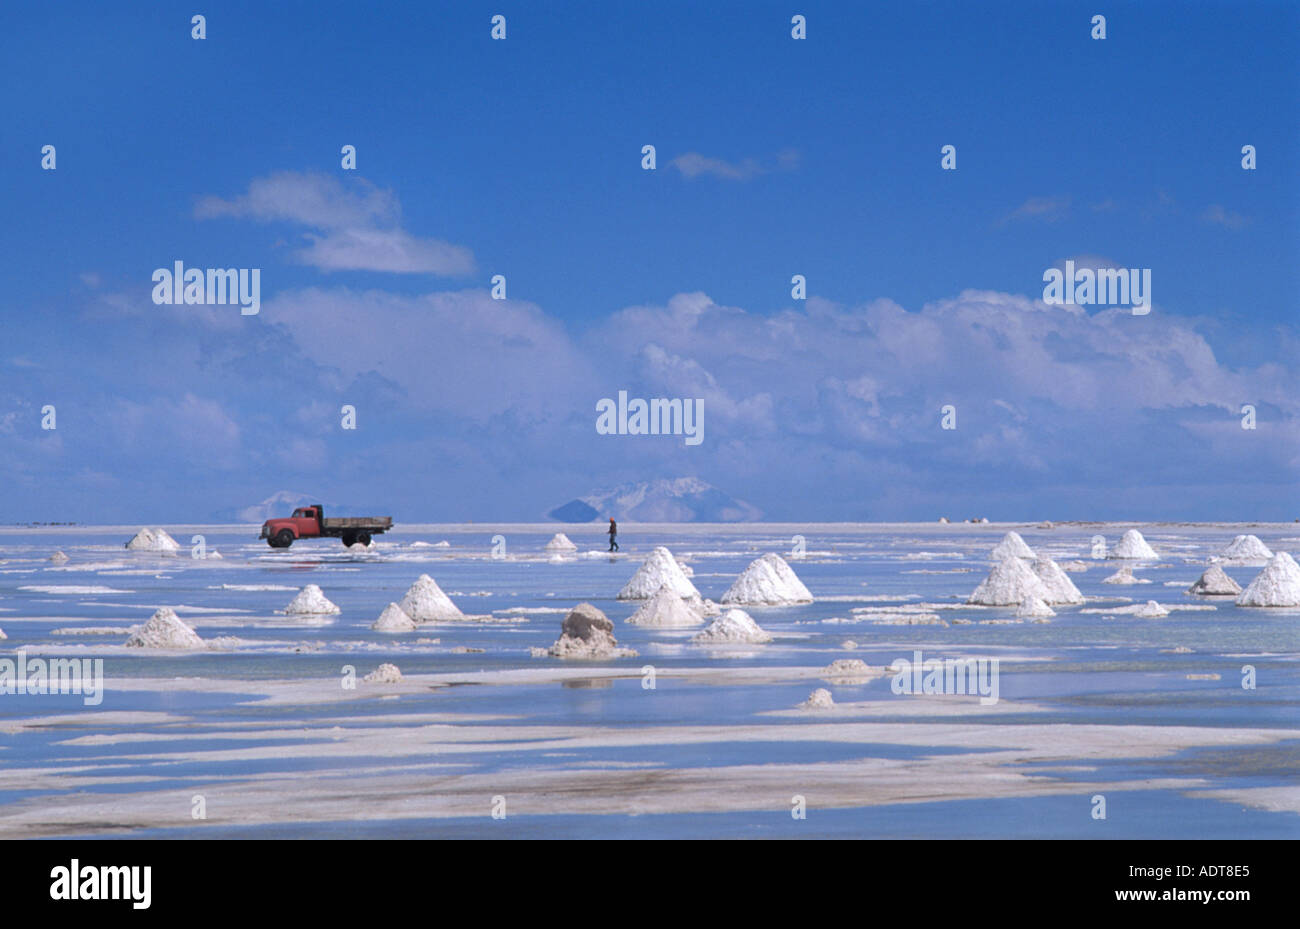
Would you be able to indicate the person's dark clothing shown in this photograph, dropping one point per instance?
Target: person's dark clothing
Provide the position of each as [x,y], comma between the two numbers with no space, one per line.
[613,533]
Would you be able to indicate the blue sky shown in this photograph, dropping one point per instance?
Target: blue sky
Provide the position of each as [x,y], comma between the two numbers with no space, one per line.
[775,157]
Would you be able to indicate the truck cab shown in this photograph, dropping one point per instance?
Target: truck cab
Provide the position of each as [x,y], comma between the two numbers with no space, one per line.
[309,522]
[303,524]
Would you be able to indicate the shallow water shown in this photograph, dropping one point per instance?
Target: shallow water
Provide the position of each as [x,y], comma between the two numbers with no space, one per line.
[270,712]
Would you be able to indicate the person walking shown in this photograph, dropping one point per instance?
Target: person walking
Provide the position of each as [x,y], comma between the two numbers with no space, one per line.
[613,535]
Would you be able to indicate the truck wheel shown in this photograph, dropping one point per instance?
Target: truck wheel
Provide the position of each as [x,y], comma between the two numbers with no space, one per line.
[363,538]
[283,538]
[349,538]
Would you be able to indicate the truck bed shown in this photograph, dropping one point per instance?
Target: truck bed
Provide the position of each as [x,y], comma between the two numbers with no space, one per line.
[358,522]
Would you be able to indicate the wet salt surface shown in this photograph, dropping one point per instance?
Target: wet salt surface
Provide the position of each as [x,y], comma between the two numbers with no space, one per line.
[1143,814]
[1079,669]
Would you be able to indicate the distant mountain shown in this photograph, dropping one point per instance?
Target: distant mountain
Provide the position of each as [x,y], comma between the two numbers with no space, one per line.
[280,503]
[680,500]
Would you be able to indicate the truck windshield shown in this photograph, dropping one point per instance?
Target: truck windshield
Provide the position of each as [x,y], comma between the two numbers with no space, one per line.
[299,513]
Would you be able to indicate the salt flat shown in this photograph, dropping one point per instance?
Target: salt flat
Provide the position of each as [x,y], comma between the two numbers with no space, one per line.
[269,730]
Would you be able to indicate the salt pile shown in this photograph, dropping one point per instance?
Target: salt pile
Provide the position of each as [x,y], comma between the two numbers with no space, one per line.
[706,607]
[1151,610]
[384,674]
[768,581]
[587,633]
[425,602]
[733,626]
[1011,546]
[560,543]
[1057,582]
[1245,549]
[848,671]
[152,540]
[1124,576]
[393,619]
[2,634]
[1134,547]
[1032,608]
[311,600]
[819,699]
[658,569]
[164,630]
[665,609]
[1008,584]
[59,558]
[1277,585]
[1215,582]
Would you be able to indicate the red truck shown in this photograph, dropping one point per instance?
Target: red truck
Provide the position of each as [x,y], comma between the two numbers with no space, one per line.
[309,522]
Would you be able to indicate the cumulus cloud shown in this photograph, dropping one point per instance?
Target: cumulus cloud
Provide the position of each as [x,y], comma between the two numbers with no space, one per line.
[1017,369]
[825,410]
[356,226]
[458,352]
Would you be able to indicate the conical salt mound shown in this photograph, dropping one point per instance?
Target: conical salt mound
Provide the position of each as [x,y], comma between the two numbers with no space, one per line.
[1277,585]
[1008,584]
[164,630]
[1215,582]
[1151,610]
[656,571]
[1245,548]
[819,699]
[1033,608]
[311,600]
[393,619]
[1124,576]
[59,558]
[665,610]
[768,581]
[386,673]
[732,627]
[1056,581]
[560,543]
[152,540]
[1133,546]
[425,602]
[1011,546]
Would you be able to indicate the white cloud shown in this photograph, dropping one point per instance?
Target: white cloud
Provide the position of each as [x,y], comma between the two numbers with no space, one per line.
[312,199]
[459,352]
[385,250]
[358,225]
[693,165]
[1217,215]
[1043,209]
